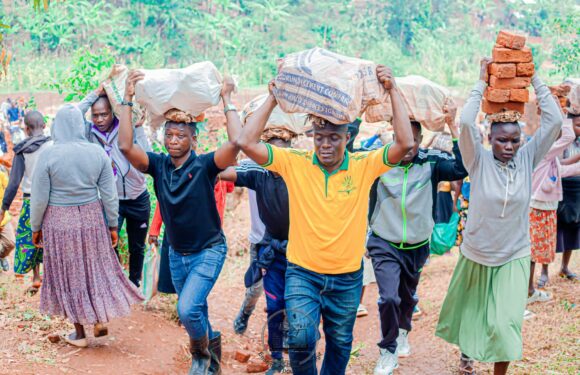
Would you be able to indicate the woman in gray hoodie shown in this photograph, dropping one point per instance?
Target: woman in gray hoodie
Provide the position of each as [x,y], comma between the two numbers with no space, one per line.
[72,185]
[484,307]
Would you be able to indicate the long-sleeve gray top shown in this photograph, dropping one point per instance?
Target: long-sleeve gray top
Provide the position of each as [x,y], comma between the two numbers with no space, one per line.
[497,231]
[72,171]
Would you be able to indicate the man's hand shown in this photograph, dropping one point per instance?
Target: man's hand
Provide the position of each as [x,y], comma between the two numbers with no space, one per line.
[154,240]
[100,90]
[228,87]
[450,111]
[114,236]
[385,77]
[37,239]
[483,71]
[134,77]
[271,87]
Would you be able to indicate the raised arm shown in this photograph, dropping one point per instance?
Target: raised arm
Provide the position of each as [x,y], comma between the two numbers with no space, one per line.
[550,123]
[90,99]
[469,138]
[451,169]
[132,151]
[249,141]
[225,156]
[403,142]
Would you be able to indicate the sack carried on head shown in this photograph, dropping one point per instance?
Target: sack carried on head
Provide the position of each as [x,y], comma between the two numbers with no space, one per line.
[328,85]
[115,88]
[425,101]
[292,123]
[191,90]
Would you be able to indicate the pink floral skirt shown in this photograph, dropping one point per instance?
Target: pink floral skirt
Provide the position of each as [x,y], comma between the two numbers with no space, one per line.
[543,234]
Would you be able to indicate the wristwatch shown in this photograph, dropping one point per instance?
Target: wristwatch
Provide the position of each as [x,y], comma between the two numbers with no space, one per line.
[130,104]
[230,107]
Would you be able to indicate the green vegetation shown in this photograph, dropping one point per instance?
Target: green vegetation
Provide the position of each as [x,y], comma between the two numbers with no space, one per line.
[440,39]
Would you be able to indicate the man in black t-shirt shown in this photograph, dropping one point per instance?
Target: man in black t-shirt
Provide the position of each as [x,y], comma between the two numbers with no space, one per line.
[272,202]
[184,186]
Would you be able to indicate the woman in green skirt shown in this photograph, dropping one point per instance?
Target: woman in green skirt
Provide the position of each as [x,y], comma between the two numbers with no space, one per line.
[484,307]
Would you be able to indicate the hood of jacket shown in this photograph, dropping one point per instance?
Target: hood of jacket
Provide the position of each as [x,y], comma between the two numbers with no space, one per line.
[30,145]
[69,125]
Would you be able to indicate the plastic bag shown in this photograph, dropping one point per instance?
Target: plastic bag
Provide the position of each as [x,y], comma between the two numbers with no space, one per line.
[115,88]
[328,85]
[192,90]
[444,235]
[150,273]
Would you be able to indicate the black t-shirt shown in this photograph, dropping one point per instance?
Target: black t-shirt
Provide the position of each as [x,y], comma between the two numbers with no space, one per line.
[271,198]
[187,202]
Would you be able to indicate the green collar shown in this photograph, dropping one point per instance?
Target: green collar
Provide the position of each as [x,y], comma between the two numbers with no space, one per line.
[343,166]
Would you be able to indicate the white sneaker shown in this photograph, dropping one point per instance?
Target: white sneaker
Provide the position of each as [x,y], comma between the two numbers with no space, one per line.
[387,363]
[528,314]
[361,311]
[539,296]
[403,346]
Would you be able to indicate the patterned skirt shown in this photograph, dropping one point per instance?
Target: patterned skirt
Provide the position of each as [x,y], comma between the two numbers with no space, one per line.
[83,280]
[543,234]
[26,256]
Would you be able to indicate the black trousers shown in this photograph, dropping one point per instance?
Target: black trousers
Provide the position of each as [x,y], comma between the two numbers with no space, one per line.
[397,273]
[136,213]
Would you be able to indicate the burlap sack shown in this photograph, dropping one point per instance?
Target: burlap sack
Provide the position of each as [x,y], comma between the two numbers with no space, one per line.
[191,90]
[328,85]
[425,101]
[115,88]
[293,122]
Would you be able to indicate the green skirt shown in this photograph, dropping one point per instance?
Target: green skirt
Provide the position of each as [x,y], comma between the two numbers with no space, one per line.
[484,309]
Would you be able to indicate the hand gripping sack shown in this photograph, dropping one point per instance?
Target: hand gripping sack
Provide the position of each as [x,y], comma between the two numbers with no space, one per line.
[192,90]
[424,101]
[328,85]
[444,235]
[115,88]
[293,122]
[150,273]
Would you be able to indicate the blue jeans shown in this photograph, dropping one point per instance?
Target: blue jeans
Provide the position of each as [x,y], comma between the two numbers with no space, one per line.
[310,295]
[274,284]
[194,276]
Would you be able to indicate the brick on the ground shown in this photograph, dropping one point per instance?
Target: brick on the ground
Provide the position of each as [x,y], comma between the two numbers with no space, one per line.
[519,95]
[242,356]
[256,366]
[510,40]
[497,95]
[489,107]
[525,69]
[509,83]
[506,55]
[503,70]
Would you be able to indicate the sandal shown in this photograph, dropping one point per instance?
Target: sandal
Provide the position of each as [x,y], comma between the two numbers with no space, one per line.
[539,296]
[33,289]
[542,282]
[466,366]
[79,343]
[569,276]
[100,330]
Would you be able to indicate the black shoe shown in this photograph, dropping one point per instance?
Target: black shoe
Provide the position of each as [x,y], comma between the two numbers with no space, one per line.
[276,368]
[241,323]
[215,350]
[200,356]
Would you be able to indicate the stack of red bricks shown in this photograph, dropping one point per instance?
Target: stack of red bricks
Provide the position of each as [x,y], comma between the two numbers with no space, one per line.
[509,75]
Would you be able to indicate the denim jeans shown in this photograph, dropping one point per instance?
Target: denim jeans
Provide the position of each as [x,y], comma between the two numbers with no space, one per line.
[274,284]
[252,293]
[194,276]
[310,295]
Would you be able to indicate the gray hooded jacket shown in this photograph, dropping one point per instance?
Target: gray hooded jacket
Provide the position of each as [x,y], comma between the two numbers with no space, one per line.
[72,172]
[497,229]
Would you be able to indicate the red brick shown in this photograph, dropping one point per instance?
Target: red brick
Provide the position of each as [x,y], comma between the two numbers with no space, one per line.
[519,95]
[506,55]
[256,366]
[509,83]
[510,40]
[497,95]
[242,356]
[525,69]
[489,107]
[503,70]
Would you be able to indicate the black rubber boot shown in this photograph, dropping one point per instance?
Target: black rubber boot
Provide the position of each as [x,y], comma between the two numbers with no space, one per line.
[241,322]
[200,356]
[215,350]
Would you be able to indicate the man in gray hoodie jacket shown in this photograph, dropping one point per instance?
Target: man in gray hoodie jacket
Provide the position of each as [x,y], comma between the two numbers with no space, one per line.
[134,204]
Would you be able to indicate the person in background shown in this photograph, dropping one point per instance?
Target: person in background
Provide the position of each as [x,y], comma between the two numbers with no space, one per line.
[546,193]
[328,192]
[134,202]
[26,155]
[7,237]
[569,207]
[487,292]
[184,185]
[73,216]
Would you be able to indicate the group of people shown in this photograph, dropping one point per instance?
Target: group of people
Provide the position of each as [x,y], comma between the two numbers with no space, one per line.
[318,214]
